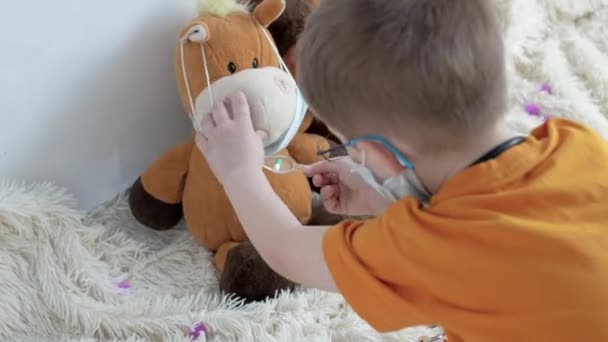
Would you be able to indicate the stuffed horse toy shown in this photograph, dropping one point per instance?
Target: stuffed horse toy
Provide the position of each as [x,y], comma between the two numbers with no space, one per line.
[225,49]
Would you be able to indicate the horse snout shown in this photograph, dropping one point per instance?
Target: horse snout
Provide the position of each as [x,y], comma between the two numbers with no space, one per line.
[283,84]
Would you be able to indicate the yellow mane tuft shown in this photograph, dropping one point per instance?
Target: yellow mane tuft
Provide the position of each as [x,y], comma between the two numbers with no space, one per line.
[221,8]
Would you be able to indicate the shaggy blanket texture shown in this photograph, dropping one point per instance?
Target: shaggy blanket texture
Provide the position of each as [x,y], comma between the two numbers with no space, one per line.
[74,276]
[71,276]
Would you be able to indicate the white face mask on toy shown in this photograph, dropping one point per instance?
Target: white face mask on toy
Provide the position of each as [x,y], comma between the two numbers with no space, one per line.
[198,34]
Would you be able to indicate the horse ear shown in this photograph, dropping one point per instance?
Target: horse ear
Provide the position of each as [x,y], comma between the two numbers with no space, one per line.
[268,11]
[199,33]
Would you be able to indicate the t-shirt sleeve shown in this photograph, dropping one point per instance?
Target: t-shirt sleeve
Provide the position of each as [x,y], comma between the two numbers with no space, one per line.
[372,268]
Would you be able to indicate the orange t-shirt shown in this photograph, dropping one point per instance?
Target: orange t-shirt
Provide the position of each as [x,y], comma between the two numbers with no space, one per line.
[512,249]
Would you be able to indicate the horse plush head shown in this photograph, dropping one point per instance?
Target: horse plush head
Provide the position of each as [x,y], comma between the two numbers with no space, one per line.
[228,48]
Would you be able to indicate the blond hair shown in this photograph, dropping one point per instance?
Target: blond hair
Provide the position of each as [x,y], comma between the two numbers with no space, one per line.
[221,8]
[431,71]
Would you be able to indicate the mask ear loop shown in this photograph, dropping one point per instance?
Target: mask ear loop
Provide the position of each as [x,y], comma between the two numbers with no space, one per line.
[363,158]
[185,39]
[276,51]
[210,91]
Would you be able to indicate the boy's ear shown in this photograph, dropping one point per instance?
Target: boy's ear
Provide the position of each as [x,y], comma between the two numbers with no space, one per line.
[379,159]
[268,11]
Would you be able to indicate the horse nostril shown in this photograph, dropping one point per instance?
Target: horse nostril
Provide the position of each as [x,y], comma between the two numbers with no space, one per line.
[283,84]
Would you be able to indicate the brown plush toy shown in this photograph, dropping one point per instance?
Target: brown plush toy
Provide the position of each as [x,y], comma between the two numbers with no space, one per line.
[226,48]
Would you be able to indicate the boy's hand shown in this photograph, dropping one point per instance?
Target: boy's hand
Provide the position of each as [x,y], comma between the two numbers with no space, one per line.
[344,191]
[228,141]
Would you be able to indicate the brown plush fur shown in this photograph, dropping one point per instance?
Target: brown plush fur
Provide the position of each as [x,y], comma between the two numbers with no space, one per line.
[182,177]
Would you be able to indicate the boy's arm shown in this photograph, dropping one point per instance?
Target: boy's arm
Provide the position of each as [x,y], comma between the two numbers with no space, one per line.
[290,249]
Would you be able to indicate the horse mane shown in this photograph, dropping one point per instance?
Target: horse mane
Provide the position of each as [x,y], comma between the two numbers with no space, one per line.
[222,8]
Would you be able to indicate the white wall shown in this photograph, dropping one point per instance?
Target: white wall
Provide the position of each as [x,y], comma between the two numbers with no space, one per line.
[87,91]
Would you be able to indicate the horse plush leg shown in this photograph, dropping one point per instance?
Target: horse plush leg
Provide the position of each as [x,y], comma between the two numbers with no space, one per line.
[222,253]
[155,197]
[248,276]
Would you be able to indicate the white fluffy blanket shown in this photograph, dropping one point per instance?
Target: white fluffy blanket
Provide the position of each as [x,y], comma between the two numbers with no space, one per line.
[73,276]
[561,43]
[67,276]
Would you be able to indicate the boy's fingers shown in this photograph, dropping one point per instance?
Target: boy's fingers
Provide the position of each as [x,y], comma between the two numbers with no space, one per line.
[263,136]
[319,167]
[220,113]
[319,180]
[207,123]
[331,178]
[201,141]
[329,192]
[332,205]
[240,107]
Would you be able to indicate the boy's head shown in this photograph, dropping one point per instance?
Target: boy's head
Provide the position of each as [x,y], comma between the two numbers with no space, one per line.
[426,73]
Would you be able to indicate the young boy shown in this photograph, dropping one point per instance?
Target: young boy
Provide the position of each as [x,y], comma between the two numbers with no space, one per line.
[512,245]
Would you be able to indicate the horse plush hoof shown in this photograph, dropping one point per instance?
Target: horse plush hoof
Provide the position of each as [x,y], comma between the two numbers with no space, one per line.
[247,275]
[153,212]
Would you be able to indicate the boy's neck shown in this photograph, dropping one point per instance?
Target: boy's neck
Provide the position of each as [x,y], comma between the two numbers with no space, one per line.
[434,171]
